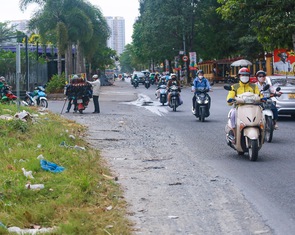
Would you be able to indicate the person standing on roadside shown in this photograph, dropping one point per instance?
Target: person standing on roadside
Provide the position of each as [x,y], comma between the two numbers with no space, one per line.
[95,92]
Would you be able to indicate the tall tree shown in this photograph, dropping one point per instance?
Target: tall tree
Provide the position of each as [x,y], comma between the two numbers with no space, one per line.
[73,22]
[6,31]
[272,20]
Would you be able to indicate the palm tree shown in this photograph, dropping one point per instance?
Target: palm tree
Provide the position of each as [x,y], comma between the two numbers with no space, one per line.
[72,23]
[6,31]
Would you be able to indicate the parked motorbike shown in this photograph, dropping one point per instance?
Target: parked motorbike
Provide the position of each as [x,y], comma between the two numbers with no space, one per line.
[163,94]
[7,96]
[36,98]
[268,115]
[202,106]
[80,103]
[248,136]
[82,93]
[174,98]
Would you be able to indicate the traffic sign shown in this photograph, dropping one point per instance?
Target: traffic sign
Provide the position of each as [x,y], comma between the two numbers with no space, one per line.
[185,58]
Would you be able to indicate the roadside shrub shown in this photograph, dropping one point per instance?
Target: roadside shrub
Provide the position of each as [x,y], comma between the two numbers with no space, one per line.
[56,84]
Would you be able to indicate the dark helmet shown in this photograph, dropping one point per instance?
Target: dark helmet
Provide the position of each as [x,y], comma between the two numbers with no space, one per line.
[200,71]
[260,72]
[244,71]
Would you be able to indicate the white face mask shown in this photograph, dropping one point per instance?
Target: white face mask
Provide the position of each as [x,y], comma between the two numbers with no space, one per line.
[244,79]
[201,77]
[261,79]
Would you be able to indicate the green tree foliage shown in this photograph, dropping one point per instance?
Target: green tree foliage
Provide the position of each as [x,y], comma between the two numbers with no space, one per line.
[166,27]
[272,20]
[6,31]
[127,59]
[71,22]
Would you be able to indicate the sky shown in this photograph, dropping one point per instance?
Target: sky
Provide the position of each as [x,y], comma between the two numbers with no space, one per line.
[128,9]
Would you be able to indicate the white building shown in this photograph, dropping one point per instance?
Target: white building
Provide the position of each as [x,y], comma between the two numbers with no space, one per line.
[117,39]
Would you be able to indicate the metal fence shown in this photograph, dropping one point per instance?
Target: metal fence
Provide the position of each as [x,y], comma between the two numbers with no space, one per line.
[38,74]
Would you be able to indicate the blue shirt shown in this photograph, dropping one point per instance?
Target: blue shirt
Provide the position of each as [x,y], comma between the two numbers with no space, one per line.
[201,84]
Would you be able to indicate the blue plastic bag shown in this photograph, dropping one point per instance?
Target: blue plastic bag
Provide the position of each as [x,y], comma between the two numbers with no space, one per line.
[50,166]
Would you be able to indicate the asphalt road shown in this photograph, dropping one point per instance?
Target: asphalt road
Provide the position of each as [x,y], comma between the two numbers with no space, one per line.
[267,186]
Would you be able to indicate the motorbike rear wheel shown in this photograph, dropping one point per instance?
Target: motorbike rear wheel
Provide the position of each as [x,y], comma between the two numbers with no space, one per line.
[269,128]
[28,101]
[44,103]
[253,150]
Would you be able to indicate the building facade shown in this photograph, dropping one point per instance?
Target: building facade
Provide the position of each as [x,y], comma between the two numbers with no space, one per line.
[117,39]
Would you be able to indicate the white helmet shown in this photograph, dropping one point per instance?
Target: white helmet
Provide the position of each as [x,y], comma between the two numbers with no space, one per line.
[95,76]
[173,75]
[2,79]
[75,76]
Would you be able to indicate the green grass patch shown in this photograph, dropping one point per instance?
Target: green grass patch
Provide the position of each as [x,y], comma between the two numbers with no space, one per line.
[79,200]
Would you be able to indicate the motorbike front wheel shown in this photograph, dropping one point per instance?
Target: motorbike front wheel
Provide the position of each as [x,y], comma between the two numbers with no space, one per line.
[269,128]
[202,114]
[174,105]
[253,150]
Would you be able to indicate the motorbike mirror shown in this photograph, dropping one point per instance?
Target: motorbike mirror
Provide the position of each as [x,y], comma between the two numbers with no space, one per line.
[227,87]
[278,88]
[266,87]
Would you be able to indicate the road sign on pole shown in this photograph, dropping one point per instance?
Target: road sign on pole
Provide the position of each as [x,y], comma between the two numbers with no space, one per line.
[185,58]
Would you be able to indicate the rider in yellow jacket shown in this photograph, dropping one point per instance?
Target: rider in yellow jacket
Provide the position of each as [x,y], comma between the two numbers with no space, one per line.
[243,86]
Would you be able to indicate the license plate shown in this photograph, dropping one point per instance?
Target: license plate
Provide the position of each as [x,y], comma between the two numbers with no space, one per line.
[79,101]
[291,96]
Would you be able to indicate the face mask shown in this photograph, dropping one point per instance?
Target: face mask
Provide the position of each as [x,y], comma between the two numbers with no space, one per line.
[244,79]
[201,77]
[261,79]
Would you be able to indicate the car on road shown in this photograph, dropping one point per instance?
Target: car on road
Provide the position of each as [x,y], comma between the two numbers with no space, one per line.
[286,102]
[140,75]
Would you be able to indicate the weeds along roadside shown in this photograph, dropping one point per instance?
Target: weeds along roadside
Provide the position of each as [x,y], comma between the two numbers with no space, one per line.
[78,200]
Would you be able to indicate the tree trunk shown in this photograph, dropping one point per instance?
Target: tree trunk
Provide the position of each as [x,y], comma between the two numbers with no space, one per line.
[293,40]
[59,67]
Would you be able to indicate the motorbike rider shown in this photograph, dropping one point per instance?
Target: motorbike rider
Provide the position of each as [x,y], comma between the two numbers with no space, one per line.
[70,92]
[200,82]
[173,81]
[261,76]
[241,87]
[2,85]
[161,82]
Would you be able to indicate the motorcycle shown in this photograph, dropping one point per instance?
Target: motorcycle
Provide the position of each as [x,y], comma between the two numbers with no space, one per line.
[163,94]
[147,83]
[202,105]
[268,115]
[7,96]
[248,136]
[36,98]
[82,94]
[80,103]
[174,98]
[135,82]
